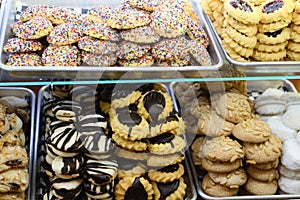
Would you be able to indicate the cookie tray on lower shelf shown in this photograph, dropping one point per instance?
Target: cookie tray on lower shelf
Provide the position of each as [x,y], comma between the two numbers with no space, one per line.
[40,179]
[255,88]
[26,113]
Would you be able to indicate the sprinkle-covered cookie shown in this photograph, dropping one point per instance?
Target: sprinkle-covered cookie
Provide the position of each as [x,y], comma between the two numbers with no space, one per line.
[64,34]
[93,59]
[14,45]
[200,53]
[24,59]
[144,34]
[102,31]
[33,11]
[99,14]
[59,15]
[61,56]
[33,29]
[130,50]
[97,46]
[146,60]
[196,32]
[148,5]
[182,60]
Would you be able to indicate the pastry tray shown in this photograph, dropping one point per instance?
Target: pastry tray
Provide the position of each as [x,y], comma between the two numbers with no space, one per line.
[39,152]
[11,9]
[255,88]
[29,95]
[254,67]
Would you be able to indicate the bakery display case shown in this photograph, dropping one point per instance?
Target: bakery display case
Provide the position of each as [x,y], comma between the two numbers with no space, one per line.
[90,115]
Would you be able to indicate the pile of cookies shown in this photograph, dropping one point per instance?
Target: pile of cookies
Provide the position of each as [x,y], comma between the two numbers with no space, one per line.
[136,33]
[113,141]
[14,164]
[256,30]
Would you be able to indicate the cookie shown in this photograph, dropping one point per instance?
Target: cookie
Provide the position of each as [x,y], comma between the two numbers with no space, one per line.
[143,34]
[222,149]
[264,152]
[207,9]
[148,5]
[131,155]
[293,55]
[128,19]
[246,29]
[131,187]
[243,11]
[240,38]
[200,53]
[274,10]
[256,187]
[93,191]
[182,60]
[276,37]
[14,196]
[196,32]
[164,160]
[288,172]
[266,175]
[14,180]
[24,59]
[97,46]
[167,174]
[137,145]
[170,124]
[61,56]
[146,60]
[215,189]
[17,45]
[270,48]
[278,128]
[169,21]
[130,168]
[73,186]
[274,26]
[64,34]
[266,56]
[289,157]
[239,49]
[170,190]
[67,168]
[232,53]
[102,31]
[99,14]
[33,29]
[233,179]
[236,109]
[13,157]
[288,185]
[33,11]
[93,59]
[60,15]
[130,50]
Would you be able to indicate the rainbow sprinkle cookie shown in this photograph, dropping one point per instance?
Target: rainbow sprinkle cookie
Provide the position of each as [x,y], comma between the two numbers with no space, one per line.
[14,45]
[33,11]
[59,15]
[200,53]
[64,34]
[33,29]
[169,21]
[147,60]
[92,59]
[103,32]
[144,34]
[184,60]
[130,50]
[97,46]
[100,14]
[24,59]
[61,56]
[148,5]
[196,32]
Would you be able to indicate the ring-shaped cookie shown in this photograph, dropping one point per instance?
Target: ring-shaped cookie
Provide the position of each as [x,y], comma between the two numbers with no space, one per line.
[243,11]
[170,190]
[271,27]
[275,10]
[167,174]
[243,51]
[136,145]
[279,36]
[130,187]
[246,29]
[243,40]
[232,53]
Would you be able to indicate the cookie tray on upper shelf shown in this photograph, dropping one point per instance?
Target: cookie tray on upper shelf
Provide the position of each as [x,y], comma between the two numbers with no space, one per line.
[11,10]
[254,89]
[255,67]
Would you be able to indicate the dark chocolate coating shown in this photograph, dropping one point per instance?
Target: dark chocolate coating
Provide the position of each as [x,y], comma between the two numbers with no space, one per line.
[166,189]
[136,191]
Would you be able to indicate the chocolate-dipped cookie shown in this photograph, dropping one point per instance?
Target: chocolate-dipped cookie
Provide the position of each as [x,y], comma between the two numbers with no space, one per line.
[67,168]
[169,190]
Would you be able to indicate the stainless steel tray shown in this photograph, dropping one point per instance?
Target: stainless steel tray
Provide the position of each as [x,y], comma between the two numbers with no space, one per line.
[11,7]
[28,129]
[39,152]
[255,88]
[255,67]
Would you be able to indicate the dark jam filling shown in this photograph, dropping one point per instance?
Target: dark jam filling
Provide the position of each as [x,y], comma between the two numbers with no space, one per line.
[154,103]
[272,6]
[136,191]
[170,168]
[166,189]
[162,139]
[273,34]
[242,5]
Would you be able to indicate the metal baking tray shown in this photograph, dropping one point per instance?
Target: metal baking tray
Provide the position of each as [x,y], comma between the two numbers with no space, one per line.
[255,67]
[28,128]
[10,9]
[255,88]
[44,94]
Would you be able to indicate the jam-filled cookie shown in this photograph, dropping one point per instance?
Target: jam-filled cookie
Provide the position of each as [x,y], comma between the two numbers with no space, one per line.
[143,34]
[276,37]
[170,190]
[33,29]
[97,46]
[64,34]
[24,59]
[276,10]
[67,55]
[167,174]
[133,187]
[15,45]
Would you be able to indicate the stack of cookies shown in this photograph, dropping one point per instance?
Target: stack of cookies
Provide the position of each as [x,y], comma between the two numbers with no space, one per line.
[262,152]
[273,30]
[293,52]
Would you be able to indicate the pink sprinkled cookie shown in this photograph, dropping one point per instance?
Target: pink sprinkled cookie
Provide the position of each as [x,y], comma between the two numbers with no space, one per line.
[102,31]
[97,46]
[14,45]
[196,32]
[61,56]
[146,60]
[144,34]
[33,29]
[24,59]
[130,50]
[33,11]
[64,34]
[59,15]
[169,21]
[92,59]
[200,53]
[100,14]
[128,19]
[170,49]
[148,5]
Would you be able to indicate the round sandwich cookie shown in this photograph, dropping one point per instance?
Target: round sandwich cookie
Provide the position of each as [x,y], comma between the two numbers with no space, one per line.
[24,59]
[276,37]
[97,46]
[166,174]
[99,60]
[100,14]
[170,190]
[17,45]
[132,187]
[91,122]
[33,29]
[67,55]
[103,32]
[143,34]
[275,10]
[64,34]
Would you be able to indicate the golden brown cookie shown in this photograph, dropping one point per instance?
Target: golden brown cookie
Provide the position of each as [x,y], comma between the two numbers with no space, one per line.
[24,59]
[207,9]
[64,34]
[256,187]
[275,10]
[15,45]
[276,37]
[240,38]
[267,165]
[266,56]
[232,179]
[246,29]
[270,48]
[266,175]
[100,14]
[232,53]
[170,190]
[295,36]
[167,174]
[102,31]
[164,160]
[274,26]
[136,145]
[196,150]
